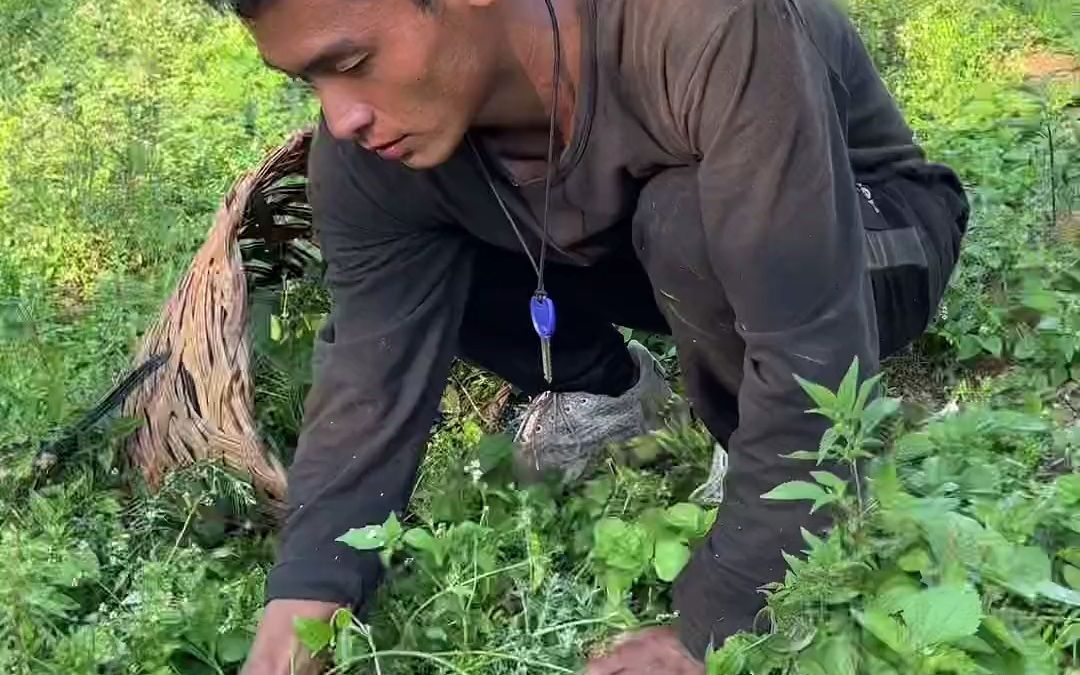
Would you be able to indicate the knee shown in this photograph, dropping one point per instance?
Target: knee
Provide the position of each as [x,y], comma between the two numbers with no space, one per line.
[669,238]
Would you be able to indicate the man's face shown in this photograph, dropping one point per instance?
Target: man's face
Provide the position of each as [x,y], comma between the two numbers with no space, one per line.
[397,79]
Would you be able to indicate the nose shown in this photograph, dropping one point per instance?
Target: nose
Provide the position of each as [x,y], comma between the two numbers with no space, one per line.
[346,116]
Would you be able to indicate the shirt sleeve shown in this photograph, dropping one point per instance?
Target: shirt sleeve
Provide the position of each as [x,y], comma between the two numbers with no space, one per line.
[780,209]
[398,283]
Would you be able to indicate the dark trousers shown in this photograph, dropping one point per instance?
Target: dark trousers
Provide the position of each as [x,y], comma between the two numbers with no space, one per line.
[913,238]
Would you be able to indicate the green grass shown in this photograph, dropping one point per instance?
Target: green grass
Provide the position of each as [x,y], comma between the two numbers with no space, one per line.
[123,123]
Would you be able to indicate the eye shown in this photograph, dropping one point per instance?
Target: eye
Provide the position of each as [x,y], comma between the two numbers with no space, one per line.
[352,63]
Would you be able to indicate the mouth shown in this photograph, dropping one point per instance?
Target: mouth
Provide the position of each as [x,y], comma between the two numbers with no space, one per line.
[392,150]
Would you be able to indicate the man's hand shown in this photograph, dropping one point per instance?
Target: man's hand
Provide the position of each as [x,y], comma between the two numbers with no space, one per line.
[276,650]
[657,650]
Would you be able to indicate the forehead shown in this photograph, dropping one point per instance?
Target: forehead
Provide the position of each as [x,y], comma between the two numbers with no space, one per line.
[289,32]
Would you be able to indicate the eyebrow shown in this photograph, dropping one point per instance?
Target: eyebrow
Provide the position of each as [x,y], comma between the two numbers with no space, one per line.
[326,60]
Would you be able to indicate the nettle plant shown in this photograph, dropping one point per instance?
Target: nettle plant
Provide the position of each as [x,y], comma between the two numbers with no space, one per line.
[958,558]
[491,577]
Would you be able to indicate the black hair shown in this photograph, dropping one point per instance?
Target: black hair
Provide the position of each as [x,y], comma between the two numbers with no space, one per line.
[249,8]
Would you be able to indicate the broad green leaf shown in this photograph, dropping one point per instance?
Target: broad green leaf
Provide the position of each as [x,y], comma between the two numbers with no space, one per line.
[392,528]
[1072,576]
[878,411]
[420,539]
[687,519]
[980,478]
[796,490]
[829,479]
[942,614]
[915,560]
[367,538]
[832,656]
[616,584]
[1040,300]
[1058,593]
[968,347]
[893,592]
[1021,569]
[885,628]
[825,399]
[624,546]
[232,647]
[991,344]
[670,558]
[314,634]
[493,450]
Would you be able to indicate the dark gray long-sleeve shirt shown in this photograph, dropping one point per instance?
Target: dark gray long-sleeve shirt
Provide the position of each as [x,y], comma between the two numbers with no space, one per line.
[777,105]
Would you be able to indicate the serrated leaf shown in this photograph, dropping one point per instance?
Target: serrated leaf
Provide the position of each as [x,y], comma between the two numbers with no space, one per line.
[812,540]
[793,563]
[915,560]
[845,395]
[828,441]
[670,558]
[314,634]
[796,490]
[802,455]
[867,389]
[368,538]
[893,592]
[877,412]
[942,614]
[885,628]
[825,399]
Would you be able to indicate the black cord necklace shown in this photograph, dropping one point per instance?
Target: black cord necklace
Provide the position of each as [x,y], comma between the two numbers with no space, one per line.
[541,307]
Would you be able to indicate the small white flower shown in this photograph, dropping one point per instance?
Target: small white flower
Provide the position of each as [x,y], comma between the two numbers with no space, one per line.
[472,469]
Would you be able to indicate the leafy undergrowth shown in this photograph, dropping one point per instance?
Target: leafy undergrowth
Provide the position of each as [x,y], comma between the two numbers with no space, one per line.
[958,553]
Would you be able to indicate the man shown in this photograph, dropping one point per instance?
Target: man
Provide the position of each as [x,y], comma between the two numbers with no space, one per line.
[730,171]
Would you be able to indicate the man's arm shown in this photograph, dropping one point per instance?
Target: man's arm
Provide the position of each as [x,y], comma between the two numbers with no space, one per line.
[398,282]
[781,213]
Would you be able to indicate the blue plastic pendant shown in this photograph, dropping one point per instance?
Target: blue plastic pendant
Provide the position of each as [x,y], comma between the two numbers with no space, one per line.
[542,310]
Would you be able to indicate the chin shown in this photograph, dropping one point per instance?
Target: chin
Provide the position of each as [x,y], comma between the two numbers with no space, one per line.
[432,154]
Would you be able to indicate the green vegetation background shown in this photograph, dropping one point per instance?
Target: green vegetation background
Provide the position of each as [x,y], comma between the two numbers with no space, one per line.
[123,123]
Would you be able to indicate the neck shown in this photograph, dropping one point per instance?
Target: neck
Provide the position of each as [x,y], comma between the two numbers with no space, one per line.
[524,92]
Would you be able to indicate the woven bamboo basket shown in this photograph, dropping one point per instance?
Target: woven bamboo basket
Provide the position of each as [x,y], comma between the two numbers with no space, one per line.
[197,405]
